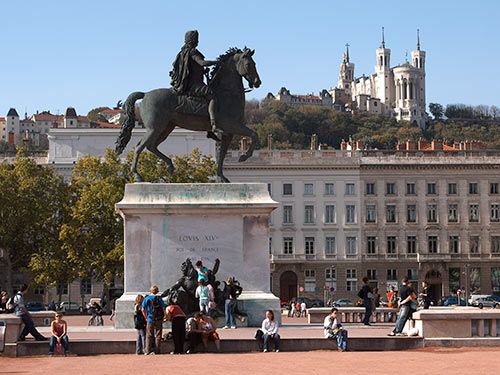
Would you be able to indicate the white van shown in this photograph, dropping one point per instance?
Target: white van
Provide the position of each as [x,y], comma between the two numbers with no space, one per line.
[474,297]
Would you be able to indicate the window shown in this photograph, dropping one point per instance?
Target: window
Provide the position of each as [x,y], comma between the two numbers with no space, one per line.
[495,279]
[350,214]
[330,279]
[287,189]
[474,213]
[454,245]
[270,245]
[392,274]
[495,212]
[453,213]
[371,245]
[432,213]
[287,214]
[309,245]
[473,188]
[329,189]
[411,244]
[351,249]
[432,242]
[411,189]
[330,273]
[390,213]
[474,244]
[411,213]
[329,214]
[391,245]
[431,188]
[310,280]
[370,188]
[494,188]
[495,244]
[390,188]
[349,189]
[309,214]
[86,286]
[287,245]
[62,288]
[269,188]
[39,291]
[412,274]
[330,248]
[308,189]
[371,213]
[352,281]
[371,274]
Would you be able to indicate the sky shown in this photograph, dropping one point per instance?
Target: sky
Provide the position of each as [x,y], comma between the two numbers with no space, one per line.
[90,53]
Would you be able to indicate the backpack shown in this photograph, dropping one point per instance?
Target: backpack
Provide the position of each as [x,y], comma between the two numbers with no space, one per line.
[139,320]
[11,305]
[361,293]
[156,309]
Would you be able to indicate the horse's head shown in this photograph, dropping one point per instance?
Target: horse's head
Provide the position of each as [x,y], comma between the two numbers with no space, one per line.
[246,67]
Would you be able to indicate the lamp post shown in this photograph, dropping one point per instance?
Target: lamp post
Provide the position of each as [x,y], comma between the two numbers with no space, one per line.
[466,284]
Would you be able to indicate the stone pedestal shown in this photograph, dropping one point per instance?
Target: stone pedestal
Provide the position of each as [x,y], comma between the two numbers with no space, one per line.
[167,223]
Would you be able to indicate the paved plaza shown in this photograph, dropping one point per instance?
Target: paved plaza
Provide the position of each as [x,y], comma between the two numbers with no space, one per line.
[424,361]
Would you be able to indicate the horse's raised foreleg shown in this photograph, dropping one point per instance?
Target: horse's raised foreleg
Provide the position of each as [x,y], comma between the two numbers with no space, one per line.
[222,151]
[247,132]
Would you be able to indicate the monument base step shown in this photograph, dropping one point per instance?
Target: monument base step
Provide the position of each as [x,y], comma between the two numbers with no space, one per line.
[89,347]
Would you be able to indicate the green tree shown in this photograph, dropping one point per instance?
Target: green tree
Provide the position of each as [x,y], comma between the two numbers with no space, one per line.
[437,110]
[32,206]
[93,114]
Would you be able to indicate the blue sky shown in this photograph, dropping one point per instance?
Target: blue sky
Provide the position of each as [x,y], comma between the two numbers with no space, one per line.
[92,53]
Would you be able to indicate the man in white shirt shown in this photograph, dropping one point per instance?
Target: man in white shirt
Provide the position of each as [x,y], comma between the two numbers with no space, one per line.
[303,308]
[22,312]
[334,330]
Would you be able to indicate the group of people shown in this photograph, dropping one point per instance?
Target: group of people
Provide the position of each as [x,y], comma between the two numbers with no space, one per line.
[296,308]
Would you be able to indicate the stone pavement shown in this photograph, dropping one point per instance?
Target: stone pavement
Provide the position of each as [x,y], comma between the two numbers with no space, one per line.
[422,362]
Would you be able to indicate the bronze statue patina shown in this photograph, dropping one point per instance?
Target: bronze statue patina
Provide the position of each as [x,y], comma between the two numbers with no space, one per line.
[185,104]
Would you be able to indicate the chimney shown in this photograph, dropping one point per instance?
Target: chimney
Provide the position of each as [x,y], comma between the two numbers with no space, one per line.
[360,145]
[400,147]
[411,145]
[343,145]
[314,142]
[244,144]
[436,145]
[421,144]
[456,145]
[269,141]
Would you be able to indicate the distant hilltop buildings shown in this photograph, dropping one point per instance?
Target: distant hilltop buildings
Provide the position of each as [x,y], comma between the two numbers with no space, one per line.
[397,91]
[35,128]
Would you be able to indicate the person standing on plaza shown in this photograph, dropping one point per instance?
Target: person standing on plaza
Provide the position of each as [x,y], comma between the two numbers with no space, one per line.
[231,293]
[292,308]
[178,319]
[366,294]
[334,330]
[59,330]
[424,295]
[153,309]
[392,301]
[140,325]
[303,309]
[21,311]
[270,329]
[203,294]
[406,294]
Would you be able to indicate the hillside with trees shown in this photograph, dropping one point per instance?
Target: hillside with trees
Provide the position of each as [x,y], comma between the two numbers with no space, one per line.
[293,126]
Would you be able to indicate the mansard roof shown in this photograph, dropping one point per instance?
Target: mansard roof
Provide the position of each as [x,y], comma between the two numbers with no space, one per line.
[12,112]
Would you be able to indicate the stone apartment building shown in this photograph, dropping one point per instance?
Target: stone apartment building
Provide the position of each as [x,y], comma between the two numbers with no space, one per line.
[426,213]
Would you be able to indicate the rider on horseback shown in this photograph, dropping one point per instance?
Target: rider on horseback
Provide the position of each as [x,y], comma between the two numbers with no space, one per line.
[187,74]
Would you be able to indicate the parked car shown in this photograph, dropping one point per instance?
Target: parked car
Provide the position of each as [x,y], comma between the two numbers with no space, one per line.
[69,307]
[343,302]
[451,301]
[496,298]
[35,306]
[474,297]
[486,302]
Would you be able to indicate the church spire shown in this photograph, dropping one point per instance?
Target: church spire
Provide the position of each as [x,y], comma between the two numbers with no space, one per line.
[347,52]
[383,39]
[418,40]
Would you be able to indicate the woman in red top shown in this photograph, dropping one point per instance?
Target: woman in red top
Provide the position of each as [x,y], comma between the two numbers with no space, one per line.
[178,319]
[59,330]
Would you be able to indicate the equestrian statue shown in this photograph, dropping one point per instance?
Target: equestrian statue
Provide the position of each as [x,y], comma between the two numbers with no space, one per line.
[217,107]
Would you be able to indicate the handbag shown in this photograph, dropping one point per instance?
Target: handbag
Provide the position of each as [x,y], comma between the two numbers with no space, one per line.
[259,335]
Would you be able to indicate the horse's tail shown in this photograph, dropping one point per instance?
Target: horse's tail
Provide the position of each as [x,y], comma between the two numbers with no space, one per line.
[129,123]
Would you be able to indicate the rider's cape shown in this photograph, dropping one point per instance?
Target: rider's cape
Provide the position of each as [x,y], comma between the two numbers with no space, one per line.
[180,71]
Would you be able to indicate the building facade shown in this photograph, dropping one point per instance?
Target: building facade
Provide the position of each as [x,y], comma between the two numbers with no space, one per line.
[397,91]
[430,215]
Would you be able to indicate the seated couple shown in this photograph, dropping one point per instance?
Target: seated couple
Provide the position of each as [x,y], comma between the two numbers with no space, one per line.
[201,328]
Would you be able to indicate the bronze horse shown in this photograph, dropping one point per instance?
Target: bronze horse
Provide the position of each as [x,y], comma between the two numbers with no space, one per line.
[161,112]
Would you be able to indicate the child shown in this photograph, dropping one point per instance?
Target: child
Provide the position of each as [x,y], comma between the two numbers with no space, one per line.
[59,330]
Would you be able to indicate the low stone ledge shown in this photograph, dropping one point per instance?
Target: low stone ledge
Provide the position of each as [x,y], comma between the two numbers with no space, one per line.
[351,314]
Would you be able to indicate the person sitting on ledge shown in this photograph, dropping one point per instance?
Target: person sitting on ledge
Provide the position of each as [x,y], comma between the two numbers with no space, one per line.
[59,338]
[209,330]
[270,329]
[193,332]
[334,330]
